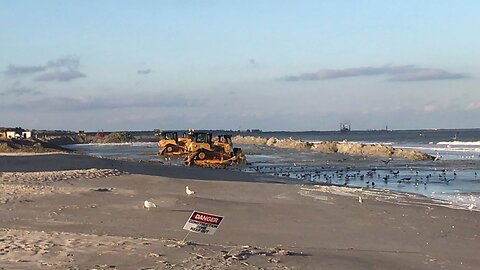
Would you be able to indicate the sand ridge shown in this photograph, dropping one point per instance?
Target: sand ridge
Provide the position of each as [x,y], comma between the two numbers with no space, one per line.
[52,176]
[24,185]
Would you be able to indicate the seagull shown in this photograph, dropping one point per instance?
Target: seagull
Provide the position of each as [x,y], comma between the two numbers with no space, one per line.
[149,205]
[188,191]
[360,200]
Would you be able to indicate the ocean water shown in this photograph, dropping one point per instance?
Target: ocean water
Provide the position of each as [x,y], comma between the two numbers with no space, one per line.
[138,150]
[455,178]
[455,144]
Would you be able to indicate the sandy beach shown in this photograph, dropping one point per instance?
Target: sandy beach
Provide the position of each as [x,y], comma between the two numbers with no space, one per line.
[79,212]
[256,135]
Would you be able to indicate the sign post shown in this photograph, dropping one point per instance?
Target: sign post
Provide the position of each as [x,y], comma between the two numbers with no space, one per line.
[200,222]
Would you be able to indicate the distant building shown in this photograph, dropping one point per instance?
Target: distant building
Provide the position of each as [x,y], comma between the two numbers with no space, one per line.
[15,133]
[12,134]
[26,134]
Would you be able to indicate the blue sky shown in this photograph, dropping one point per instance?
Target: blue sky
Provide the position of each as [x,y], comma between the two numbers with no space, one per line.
[273,65]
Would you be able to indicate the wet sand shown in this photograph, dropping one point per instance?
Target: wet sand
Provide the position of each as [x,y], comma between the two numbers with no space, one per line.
[60,220]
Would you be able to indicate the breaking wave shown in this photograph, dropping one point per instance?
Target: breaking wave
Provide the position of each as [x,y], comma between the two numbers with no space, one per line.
[460,143]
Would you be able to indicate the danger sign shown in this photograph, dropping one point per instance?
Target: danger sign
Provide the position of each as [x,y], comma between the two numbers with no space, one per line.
[203,223]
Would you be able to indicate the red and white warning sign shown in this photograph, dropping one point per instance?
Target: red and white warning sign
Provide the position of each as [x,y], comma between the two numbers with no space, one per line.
[203,223]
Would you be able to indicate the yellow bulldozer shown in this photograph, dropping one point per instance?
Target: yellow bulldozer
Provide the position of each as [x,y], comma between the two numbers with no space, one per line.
[206,152]
[171,144]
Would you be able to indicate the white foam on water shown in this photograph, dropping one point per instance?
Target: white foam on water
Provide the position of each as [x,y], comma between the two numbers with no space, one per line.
[461,201]
[460,143]
[359,142]
[447,152]
[114,144]
[458,201]
[445,149]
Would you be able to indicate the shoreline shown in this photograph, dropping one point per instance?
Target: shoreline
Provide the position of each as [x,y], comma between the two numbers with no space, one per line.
[96,218]
[7,154]
[200,173]
[280,180]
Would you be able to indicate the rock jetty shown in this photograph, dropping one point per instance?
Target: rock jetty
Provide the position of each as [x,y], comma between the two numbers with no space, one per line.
[29,146]
[348,148]
[116,137]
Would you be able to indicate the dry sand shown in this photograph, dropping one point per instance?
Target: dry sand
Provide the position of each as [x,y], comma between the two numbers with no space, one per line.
[94,219]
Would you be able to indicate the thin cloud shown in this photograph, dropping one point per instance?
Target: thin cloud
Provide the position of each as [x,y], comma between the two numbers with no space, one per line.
[63,69]
[473,106]
[21,91]
[13,70]
[88,103]
[69,62]
[428,75]
[61,76]
[395,73]
[144,71]
[429,108]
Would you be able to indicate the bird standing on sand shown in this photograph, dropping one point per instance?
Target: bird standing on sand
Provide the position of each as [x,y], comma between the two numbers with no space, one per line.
[149,205]
[360,200]
[387,161]
[188,191]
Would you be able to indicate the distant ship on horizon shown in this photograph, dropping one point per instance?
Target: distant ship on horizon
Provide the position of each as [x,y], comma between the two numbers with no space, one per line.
[345,127]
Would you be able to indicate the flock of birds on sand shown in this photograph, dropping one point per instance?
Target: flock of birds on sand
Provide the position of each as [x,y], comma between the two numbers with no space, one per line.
[149,204]
[367,176]
[347,174]
[343,174]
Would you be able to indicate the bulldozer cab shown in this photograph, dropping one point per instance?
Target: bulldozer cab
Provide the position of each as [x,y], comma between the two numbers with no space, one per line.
[225,139]
[200,140]
[167,138]
[202,137]
[168,135]
[170,144]
[223,144]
